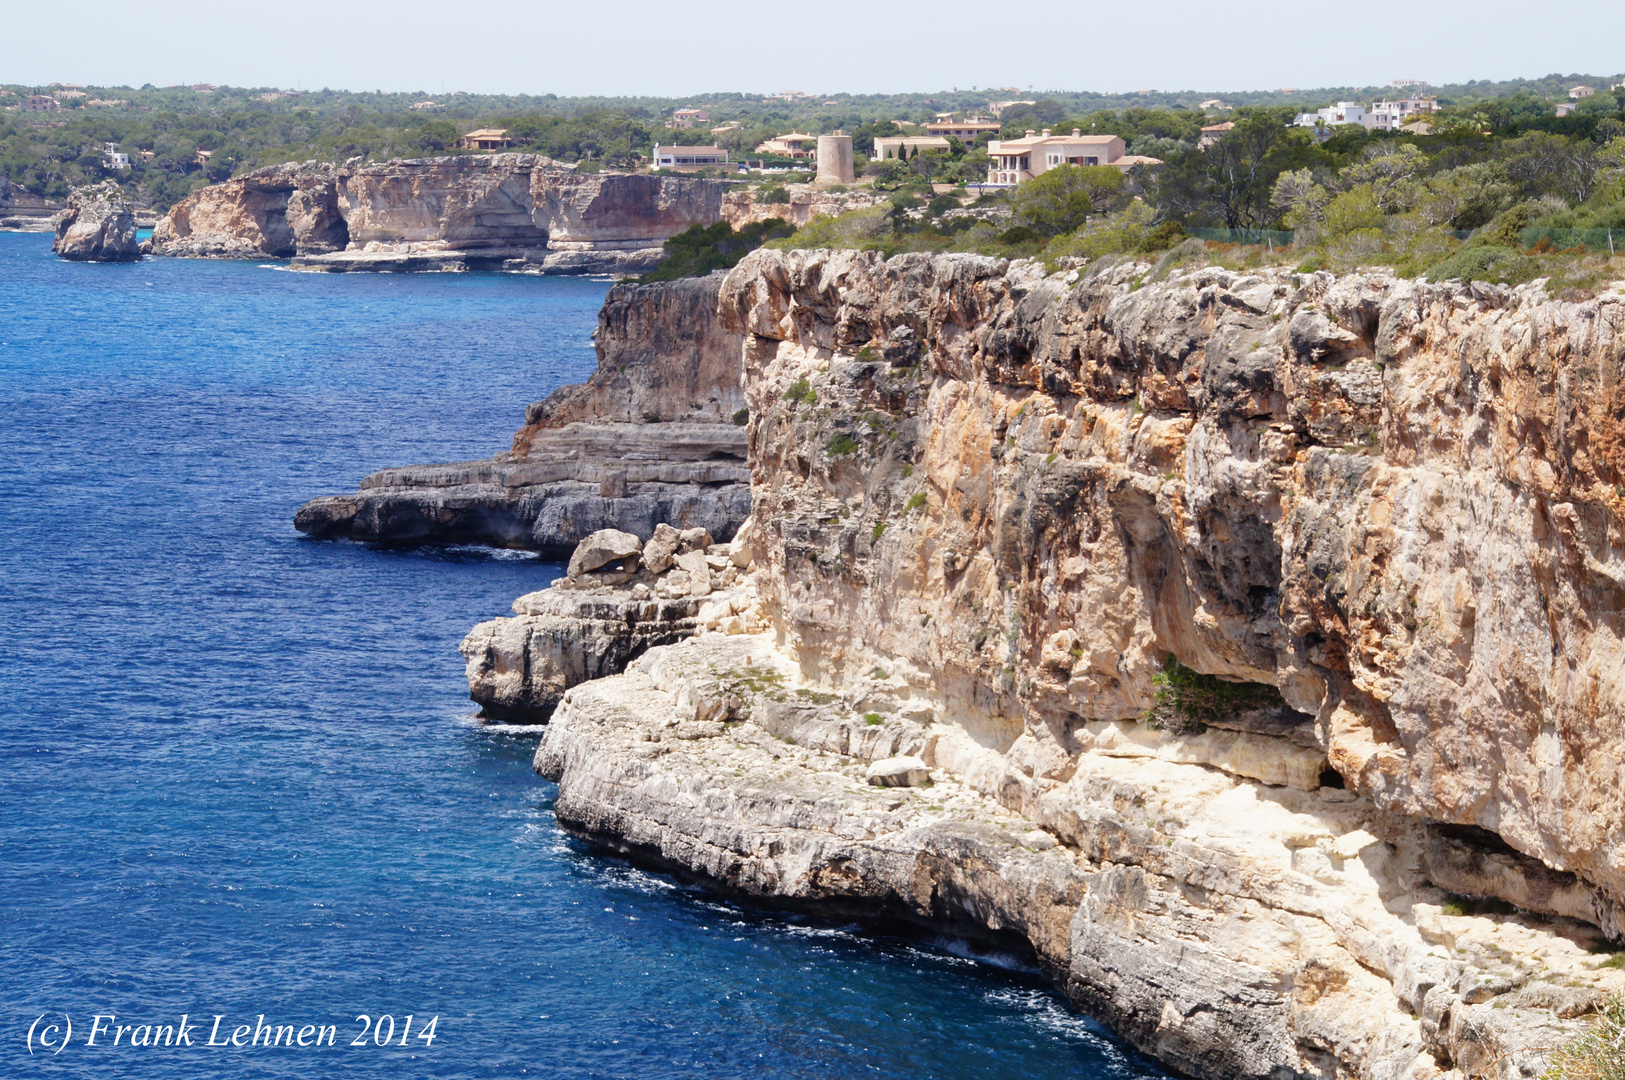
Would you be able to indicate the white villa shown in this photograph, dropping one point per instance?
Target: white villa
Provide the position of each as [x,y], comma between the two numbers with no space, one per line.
[112,159]
[686,157]
[1393,115]
[1344,112]
[1015,160]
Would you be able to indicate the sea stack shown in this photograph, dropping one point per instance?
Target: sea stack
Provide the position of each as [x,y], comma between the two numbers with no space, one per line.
[97,226]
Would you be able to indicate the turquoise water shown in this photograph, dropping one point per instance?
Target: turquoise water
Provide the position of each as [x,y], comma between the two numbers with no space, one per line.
[240,776]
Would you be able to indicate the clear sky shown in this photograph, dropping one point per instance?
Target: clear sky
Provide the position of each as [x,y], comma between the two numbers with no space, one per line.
[670,49]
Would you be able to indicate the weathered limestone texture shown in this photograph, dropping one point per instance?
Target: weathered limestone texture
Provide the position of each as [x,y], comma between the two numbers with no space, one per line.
[609,610]
[650,438]
[991,507]
[497,211]
[97,225]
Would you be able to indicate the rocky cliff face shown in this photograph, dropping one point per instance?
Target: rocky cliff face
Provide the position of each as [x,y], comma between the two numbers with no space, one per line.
[650,438]
[1239,619]
[97,225]
[519,211]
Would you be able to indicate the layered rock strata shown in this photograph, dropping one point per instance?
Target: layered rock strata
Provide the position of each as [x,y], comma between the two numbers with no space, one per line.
[1001,517]
[97,225]
[650,438]
[496,211]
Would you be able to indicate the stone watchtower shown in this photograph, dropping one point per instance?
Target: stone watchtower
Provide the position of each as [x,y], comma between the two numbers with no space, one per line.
[835,159]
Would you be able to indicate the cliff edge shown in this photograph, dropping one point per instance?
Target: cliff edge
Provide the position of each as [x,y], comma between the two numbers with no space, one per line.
[1247,646]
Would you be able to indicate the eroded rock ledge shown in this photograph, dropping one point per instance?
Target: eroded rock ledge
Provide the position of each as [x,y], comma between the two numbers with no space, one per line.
[990,506]
[650,438]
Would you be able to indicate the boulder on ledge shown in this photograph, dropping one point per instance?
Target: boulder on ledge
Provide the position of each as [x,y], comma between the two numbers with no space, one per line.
[898,772]
[602,548]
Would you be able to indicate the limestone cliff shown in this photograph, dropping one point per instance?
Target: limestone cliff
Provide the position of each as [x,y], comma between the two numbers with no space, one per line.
[650,438]
[1003,519]
[97,225]
[518,211]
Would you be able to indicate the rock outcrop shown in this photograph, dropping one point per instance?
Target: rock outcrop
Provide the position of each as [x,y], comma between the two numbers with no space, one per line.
[1352,546]
[97,225]
[495,211]
[608,611]
[652,437]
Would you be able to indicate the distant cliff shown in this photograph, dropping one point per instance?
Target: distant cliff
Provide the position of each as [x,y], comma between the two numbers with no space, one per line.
[23,211]
[650,438]
[514,211]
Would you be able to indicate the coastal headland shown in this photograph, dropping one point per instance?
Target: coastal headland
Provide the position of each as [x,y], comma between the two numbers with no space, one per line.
[1244,645]
[505,211]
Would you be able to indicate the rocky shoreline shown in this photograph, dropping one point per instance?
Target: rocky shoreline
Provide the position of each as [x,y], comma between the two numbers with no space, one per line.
[1245,645]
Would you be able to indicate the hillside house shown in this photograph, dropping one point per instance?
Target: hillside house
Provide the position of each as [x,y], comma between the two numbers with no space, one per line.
[793,145]
[1580,93]
[1213,133]
[1393,115]
[687,118]
[112,159]
[966,131]
[688,157]
[1016,160]
[896,147]
[41,103]
[485,139]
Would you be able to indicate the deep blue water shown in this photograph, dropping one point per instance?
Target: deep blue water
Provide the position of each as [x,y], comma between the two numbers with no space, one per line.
[238,774]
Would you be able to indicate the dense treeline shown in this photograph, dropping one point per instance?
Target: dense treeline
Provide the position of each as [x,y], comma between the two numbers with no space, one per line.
[244,128]
[1491,192]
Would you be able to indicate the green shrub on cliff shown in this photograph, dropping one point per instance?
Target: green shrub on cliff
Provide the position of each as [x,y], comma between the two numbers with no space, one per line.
[1187,701]
[704,248]
[1599,1054]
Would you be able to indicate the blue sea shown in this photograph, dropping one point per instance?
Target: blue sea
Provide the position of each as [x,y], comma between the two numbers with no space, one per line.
[241,778]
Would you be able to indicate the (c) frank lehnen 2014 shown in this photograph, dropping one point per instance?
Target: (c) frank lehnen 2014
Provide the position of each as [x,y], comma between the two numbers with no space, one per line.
[103,1031]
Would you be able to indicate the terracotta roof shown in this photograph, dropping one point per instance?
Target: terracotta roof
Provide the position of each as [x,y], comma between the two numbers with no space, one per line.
[488,133]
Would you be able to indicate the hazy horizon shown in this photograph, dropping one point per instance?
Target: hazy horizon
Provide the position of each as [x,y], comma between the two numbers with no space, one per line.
[843,47]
